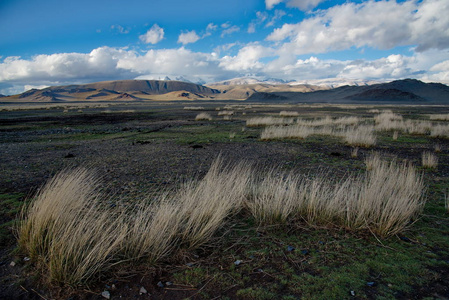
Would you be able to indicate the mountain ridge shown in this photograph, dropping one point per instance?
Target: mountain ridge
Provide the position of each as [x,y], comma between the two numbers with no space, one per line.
[410,91]
[399,91]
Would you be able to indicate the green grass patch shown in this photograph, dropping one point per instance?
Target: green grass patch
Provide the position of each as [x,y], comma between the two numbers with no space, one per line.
[10,207]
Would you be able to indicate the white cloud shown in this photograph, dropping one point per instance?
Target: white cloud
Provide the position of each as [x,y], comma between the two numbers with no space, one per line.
[230,30]
[442,66]
[120,29]
[382,25]
[188,37]
[261,17]
[153,36]
[226,25]
[303,5]
[211,27]
[278,14]
[247,59]
[107,63]
[271,3]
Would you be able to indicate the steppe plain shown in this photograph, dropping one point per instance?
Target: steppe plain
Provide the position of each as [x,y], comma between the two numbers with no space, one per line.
[140,148]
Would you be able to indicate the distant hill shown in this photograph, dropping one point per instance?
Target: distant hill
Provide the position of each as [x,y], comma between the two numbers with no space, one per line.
[243,91]
[407,91]
[121,90]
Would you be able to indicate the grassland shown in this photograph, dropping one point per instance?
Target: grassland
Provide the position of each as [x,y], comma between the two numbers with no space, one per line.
[144,151]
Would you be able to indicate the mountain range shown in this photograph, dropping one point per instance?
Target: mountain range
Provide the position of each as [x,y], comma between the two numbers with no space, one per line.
[400,91]
[406,91]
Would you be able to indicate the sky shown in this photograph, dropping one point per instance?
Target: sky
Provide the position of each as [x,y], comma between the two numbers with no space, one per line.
[53,42]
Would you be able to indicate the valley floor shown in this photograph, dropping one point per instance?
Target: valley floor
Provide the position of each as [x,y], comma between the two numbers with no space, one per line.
[142,148]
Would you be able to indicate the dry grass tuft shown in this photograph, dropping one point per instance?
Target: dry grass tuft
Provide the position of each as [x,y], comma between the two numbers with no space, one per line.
[73,236]
[204,205]
[194,108]
[203,116]
[361,136]
[439,117]
[286,113]
[268,121]
[226,113]
[395,135]
[354,152]
[68,231]
[384,200]
[429,160]
[440,131]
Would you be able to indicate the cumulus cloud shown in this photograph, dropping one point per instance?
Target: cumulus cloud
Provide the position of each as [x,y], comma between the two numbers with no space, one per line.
[382,24]
[247,59]
[188,37]
[303,5]
[153,36]
[107,63]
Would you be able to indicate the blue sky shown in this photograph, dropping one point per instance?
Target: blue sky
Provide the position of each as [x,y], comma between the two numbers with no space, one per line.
[50,42]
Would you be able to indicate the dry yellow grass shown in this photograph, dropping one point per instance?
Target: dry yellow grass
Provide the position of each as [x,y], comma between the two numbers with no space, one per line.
[226,113]
[268,121]
[439,117]
[440,131]
[384,200]
[193,108]
[429,160]
[286,113]
[68,231]
[203,116]
[361,136]
[72,236]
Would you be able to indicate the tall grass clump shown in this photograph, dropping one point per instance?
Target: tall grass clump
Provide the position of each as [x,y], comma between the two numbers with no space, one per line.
[361,136]
[429,160]
[152,231]
[274,197]
[286,113]
[440,130]
[204,205]
[203,116]
[389,198]
[226,113]
[267,121]
[194,108]
[384,200]
[286,132]
[439,117]
[67,231]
